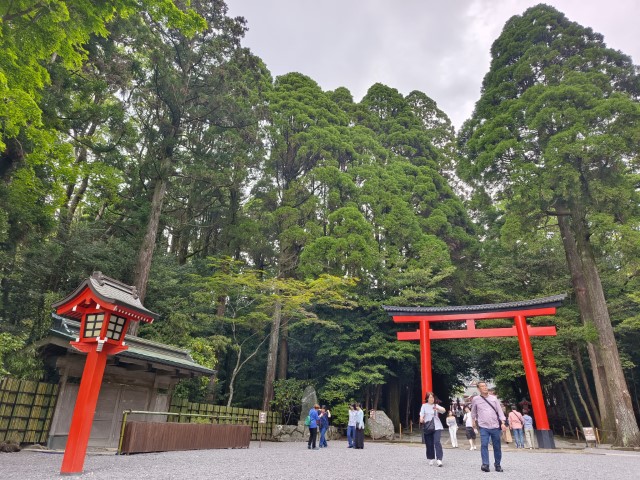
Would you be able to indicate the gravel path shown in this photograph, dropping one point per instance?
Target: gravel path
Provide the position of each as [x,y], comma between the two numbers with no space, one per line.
[293,461]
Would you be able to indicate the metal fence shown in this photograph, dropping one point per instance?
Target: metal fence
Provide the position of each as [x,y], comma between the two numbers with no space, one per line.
[26,410]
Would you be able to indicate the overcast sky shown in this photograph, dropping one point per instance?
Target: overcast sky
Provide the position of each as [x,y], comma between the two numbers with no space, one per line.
[440,47]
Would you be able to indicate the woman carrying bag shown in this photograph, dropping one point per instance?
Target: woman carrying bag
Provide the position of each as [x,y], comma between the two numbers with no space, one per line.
[432,428]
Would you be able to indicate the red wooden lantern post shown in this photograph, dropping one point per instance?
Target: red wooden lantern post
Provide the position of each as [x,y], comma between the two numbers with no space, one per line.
[105,307]
[519,311]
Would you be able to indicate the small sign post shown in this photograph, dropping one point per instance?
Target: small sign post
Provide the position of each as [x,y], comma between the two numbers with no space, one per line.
[262,419]
[590,436]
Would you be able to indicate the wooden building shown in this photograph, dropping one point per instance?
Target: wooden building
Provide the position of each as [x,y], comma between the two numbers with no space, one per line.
[140,378]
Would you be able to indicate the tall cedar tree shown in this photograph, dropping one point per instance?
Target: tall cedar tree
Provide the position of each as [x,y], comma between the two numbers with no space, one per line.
[555,134]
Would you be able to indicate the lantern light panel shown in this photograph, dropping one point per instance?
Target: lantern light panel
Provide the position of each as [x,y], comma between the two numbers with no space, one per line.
[116,327]
[93,325]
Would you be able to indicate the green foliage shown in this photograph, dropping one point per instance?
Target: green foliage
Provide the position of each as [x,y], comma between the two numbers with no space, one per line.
[287,398]
[279,196]
[193,389]
[18,359]
[340,415]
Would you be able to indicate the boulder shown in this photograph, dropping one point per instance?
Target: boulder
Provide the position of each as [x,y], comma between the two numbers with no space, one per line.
[9,447]
[309,399]
[380,425]
[300,433]
[290,433]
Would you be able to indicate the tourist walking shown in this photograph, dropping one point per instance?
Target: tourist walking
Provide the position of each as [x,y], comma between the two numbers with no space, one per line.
[313,427]
[359,443]
[351,426]
[459,414]
[516,424]
[490,420]
[452,423]
[470,431]
[323,426]
[528,429]
[432,428]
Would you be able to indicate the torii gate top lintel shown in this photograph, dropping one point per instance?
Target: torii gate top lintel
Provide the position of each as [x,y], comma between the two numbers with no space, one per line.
[486,311]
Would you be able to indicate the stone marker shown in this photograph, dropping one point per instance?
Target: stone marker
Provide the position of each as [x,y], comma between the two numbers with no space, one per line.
[380,425]
[309,399]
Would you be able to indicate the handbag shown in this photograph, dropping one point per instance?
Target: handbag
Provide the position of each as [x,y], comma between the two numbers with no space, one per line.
[429,426]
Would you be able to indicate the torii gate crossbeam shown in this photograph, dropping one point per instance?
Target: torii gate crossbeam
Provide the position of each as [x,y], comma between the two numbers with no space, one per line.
[518,311]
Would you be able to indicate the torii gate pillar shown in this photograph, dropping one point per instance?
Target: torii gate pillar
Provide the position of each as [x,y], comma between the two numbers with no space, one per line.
[518,311]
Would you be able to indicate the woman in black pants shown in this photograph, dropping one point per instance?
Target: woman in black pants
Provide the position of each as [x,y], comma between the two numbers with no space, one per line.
[359,427]
[432,428]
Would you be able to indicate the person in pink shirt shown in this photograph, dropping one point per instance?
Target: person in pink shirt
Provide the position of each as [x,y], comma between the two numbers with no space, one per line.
[490,420]
[516,424]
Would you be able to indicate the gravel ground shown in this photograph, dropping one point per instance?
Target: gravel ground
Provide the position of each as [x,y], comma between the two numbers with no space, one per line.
[377,460]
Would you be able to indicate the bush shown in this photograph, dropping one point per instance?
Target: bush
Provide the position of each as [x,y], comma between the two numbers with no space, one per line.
[340,415]
[287,399]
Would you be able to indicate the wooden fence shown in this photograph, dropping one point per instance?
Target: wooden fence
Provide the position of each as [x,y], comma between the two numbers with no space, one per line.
[26,410]
[184,406]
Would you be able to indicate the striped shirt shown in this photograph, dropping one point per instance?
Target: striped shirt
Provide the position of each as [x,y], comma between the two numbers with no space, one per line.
[486,413]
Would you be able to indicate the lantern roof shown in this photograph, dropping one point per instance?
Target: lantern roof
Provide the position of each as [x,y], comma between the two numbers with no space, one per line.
[544,302]
[109,291]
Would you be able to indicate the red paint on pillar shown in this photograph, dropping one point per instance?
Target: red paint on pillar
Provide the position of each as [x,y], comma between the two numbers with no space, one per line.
[533,381]
[76,448]
[425,358]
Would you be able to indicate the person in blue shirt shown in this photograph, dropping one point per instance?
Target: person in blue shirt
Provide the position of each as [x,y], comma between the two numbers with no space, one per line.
[313,427]
[323,425]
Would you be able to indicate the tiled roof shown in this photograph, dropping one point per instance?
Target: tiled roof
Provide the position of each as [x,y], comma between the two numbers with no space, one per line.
[139,348]
[110,290]
[552,301]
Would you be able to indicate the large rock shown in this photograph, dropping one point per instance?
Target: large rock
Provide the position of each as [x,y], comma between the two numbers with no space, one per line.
[290,433]
[309,399]
[300,433]
[380,425]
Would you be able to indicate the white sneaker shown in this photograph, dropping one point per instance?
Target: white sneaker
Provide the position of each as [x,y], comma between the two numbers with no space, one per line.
[439,462]
[431,463]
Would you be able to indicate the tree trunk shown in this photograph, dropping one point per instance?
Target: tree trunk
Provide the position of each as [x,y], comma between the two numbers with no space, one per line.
[272,356]
[234,374]
[627,432]
[562,406]
[587,387]
[283,350]
[586,314]
[145,254]
[568,396]
[407,411]
[239,365]
[394,402]
[376,399]
[580,397]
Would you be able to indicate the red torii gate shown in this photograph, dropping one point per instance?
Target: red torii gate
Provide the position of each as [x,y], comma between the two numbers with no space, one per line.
[519,311]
